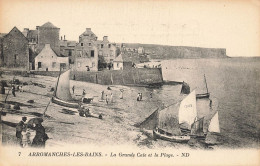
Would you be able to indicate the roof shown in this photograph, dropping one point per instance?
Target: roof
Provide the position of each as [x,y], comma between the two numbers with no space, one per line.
[2,34]
[67,43]
[19,32]
[48,25]
[122,58]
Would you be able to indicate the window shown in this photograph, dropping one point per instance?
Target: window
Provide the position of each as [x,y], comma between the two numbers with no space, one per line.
[53,64]
[39,65]
[70,52]
[109,45]
[63,66]
[117,64]
[92,53]
[51,56]
[89,44]
[102,45]
[81,44]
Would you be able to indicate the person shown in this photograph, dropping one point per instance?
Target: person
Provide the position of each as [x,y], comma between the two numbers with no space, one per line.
[138,97]
[83,93]
[21,88]
[106,99]
[102,95]
[73,88]
[151,94]
[121,94]
[210,103]
[41,137]
[111,98]
[86,112]
[81,111]
[141,96]
[19,129]
[13,90]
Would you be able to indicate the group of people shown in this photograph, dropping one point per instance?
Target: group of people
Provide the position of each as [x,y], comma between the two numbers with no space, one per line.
[19,87]
[23,134]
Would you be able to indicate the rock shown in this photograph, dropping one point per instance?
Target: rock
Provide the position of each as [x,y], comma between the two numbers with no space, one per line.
[30,101]
[16,107]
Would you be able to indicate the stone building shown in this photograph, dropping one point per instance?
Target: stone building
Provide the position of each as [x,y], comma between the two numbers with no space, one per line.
[48,60]
[67,49]
[86,51]
[122,62]
[107,50]
[15,50]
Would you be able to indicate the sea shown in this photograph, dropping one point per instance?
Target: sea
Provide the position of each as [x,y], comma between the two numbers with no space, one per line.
[234,86]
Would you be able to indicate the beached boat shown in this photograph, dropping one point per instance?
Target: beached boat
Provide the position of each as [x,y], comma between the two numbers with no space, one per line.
[197,129]
[213,131]
[204,95]
[178,129]
[62,94]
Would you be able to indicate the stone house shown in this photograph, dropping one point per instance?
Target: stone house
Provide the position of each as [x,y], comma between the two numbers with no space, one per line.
[86,51]
[48,60]
[67,49]
[107,50]
[15,50]
[122,62]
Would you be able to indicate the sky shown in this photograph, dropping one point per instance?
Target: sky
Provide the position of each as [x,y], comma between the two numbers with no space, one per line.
[213,24]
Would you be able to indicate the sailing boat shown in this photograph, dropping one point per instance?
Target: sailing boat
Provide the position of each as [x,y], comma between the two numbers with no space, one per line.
[204,95]
[197,129]
[177,130]
[213,130]
[62,94]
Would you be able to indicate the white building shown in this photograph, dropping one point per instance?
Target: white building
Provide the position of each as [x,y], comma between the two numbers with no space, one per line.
[47,60]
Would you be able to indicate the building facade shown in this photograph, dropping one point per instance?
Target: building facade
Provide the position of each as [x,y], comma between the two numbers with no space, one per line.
[48,60]
[15,50]
[122,62]
[86,51]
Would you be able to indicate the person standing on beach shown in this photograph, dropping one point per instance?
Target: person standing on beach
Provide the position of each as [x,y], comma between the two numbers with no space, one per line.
[138,97]
[102,95]
[151,95]
[13,90]
[19,128]
[121,94]
[106,99]
[21,88]
[111,98]
[73,89]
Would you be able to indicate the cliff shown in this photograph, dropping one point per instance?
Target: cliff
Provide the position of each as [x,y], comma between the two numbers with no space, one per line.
[171,52]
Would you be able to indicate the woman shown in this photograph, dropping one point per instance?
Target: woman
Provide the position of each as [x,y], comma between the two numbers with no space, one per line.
[40,137]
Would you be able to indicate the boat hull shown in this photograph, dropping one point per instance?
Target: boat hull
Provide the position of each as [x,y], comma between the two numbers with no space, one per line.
[204,95]
[64,103]
[180,139]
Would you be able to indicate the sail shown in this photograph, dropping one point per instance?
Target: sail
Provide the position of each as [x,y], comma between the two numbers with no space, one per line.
[188,110]
[185,89]
[150,122]
[197,127]
[214,124]
[168,120]
[63,87]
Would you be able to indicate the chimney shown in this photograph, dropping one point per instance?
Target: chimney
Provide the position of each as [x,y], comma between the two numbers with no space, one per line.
[37,27]
[88,29]
[64,37]
[105,38]
[61,38]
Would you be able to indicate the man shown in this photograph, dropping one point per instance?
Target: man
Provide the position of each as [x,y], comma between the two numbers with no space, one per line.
[73,88]
[19,128]
[13,90]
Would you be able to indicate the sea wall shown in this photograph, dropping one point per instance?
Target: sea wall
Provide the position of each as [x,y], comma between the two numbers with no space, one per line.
[132,77]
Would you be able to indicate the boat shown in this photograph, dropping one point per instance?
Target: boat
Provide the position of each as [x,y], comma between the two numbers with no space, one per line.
[62,95]
[197,129]
[213,131]
[177,129]
[204,95]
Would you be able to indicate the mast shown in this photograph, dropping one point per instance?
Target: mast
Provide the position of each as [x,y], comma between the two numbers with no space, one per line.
[206,83]
[57,83]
